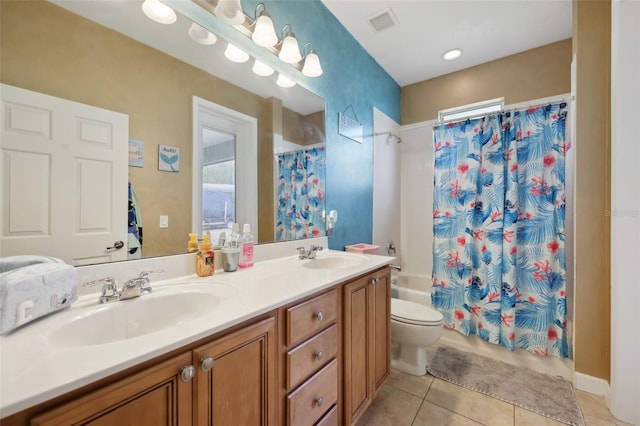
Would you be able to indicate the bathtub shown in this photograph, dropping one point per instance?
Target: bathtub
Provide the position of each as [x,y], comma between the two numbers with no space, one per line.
[417,289]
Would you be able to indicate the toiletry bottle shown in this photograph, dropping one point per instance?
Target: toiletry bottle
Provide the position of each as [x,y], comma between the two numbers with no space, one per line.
[192,245]
[246,244]
[205,258]
[234,238]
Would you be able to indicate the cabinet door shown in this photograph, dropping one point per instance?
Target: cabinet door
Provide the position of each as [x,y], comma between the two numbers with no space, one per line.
[357,332]
[381,345]
[367,340]
[152,397]
[236,377]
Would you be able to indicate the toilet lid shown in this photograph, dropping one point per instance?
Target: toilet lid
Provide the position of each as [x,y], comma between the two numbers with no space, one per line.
[414,313]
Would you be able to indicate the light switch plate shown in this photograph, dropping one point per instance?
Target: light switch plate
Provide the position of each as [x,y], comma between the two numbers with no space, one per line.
[164,221]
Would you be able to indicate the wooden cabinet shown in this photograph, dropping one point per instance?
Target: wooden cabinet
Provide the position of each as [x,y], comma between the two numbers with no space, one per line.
[310,363]
[155,396]
[235,377]
[228,381]
[367,340]
[316,361]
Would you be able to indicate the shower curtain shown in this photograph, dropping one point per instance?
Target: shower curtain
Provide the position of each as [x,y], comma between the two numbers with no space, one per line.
[301,194]
[499,216]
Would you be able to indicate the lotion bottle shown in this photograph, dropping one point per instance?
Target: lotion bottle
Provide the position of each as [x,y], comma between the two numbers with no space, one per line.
[246,247]
[205,258]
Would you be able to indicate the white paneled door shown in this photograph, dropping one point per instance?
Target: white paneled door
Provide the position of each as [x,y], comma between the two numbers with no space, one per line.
[63,178]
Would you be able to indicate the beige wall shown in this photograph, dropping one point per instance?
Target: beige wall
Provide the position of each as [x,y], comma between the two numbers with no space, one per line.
[592,47]
[536,73]
[50,50]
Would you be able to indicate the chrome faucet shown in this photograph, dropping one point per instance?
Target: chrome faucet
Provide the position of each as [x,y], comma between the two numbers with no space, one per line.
[395,267]
[109,291]
[138,286]
[308,254]
[134,287]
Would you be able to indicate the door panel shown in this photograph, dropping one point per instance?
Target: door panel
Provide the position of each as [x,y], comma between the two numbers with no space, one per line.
[71,159]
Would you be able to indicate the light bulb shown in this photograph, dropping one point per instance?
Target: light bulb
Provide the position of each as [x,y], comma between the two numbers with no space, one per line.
[202,35]
[284,81]
[262,69]
[229,12]
[159,12]
[452,54]
[290,52]
[264,35]
[235,54]
[311,67]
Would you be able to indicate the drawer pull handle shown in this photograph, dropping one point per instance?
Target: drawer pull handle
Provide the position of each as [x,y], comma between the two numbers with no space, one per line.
[319,401]
[206,364]
[187,372]
[319,355]
[319,315]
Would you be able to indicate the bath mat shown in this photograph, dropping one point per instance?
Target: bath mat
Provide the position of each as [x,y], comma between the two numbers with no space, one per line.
[543,394]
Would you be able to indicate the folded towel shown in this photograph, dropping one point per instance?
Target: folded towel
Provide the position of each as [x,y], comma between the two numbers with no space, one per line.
[31,290]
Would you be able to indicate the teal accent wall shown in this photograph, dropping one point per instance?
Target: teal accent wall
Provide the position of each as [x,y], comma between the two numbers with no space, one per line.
[351,78]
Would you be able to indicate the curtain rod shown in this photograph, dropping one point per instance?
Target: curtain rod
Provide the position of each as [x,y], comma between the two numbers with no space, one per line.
[520,105]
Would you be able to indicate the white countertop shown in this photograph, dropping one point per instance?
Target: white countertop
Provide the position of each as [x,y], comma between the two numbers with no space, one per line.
[35,368]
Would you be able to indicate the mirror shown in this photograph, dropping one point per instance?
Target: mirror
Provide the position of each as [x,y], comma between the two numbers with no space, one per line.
[152,74]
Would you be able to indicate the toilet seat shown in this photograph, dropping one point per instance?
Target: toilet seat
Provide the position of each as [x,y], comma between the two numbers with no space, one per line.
[414,313]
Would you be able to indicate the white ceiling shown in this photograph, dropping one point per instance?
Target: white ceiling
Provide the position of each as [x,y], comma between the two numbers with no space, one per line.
[484,29]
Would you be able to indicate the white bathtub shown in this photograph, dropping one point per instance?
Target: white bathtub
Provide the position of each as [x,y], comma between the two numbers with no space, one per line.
[417,289]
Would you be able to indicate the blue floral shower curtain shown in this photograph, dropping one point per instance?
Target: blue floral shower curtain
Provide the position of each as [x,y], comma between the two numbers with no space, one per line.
[499,226]
[301,194]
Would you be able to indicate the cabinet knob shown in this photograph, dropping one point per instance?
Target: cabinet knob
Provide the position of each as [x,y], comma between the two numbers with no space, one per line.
[206,364]
[187,372]
[319,355]
[319,401]
[319,315]
[375,281]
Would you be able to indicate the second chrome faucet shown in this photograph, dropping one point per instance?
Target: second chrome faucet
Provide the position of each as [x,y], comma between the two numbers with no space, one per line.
[308,254]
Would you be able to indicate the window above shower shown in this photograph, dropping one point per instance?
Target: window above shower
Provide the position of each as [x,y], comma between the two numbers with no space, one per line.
[471,110]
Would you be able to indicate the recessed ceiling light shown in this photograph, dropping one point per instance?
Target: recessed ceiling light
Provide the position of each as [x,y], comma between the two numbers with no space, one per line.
[452,54]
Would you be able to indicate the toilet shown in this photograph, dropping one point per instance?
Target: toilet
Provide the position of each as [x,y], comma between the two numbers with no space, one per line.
[413,328]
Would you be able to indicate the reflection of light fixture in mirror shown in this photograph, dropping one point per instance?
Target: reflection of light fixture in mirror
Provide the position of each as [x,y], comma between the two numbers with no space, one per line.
[202,35]
[262,69]
[452,54]
[289,52]
[159,12]
[284,81]
[230,12]
[311,67]
[235,54]
[264,34]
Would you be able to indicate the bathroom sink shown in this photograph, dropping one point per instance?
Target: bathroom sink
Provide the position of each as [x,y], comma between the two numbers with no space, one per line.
[127,319]
[335,261]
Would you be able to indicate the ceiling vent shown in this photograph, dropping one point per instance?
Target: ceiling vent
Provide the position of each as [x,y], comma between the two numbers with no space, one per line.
[382,20]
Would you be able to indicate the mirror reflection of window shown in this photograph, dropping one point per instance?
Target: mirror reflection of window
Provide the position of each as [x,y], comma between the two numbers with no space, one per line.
[218,182]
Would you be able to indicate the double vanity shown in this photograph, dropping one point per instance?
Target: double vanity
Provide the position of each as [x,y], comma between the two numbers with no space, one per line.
[288,342]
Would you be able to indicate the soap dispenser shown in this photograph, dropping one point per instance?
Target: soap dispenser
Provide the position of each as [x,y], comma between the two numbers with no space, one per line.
[192,245]
[205,258]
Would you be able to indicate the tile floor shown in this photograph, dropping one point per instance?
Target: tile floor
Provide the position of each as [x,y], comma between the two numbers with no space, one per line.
[407,400]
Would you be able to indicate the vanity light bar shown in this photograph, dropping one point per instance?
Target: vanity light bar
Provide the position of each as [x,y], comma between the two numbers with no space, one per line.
[246,28]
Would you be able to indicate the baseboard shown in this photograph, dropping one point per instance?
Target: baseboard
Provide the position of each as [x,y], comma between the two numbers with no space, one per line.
[594,385]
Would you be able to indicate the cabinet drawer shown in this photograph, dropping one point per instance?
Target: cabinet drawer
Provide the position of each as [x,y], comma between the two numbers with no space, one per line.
[311,355]
[310,401]
[329,419]
[308,317]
